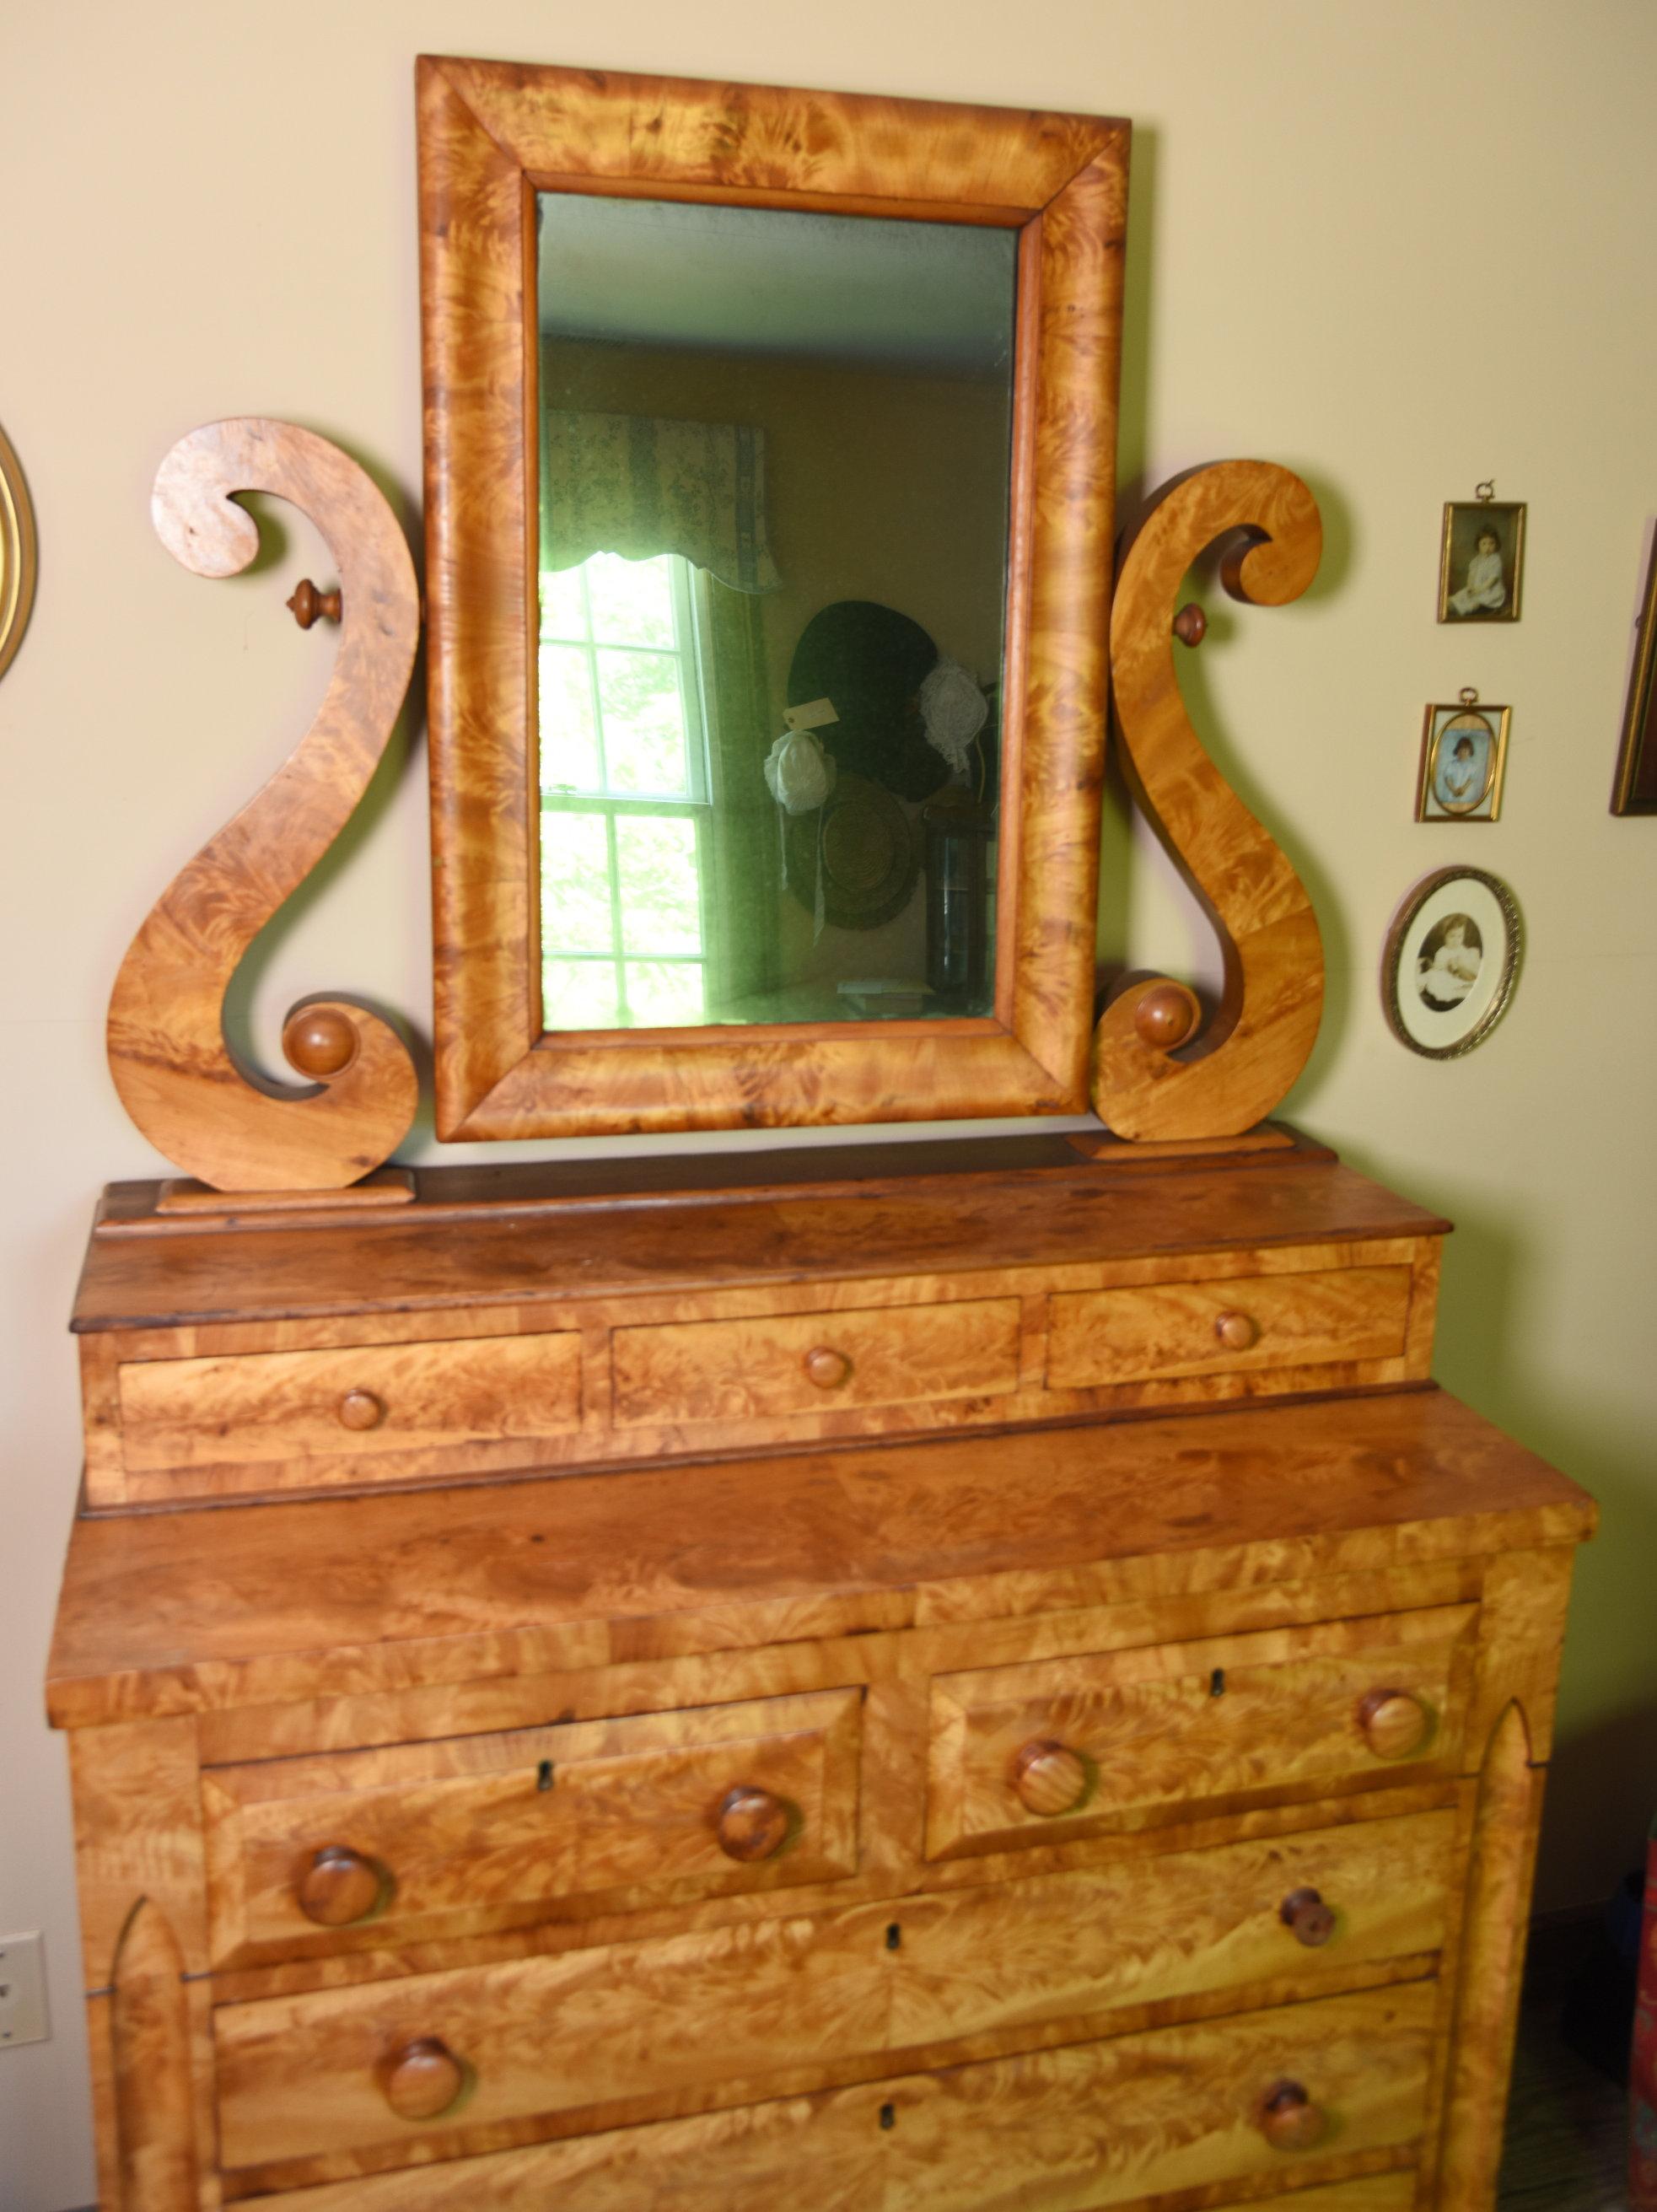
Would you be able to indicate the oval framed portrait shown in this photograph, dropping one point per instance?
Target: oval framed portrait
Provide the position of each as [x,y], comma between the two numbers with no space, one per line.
[1451,962]
[1464,754]
[17,554]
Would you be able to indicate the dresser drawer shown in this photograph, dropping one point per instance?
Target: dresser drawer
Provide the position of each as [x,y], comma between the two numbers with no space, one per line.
[1096,2124]
[1099,1338]
[347,1403]
[1021,1755]
[736,1371]
[363,1849]
[588,2029]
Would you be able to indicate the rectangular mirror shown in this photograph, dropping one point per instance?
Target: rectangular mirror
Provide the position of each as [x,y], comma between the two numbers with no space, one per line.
[769,453]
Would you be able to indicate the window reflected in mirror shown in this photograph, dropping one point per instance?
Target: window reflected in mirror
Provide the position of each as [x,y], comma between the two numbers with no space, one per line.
[775,463]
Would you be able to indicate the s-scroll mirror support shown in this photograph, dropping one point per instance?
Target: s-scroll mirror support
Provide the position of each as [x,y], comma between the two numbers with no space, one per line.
[1238,1068]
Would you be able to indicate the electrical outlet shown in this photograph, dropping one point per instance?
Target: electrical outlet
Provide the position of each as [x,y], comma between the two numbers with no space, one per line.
[22,1992]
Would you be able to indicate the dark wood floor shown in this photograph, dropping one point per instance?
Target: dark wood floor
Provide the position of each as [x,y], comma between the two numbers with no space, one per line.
[1567,2146]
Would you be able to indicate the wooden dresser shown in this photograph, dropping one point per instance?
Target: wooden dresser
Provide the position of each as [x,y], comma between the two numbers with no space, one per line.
[910,1734]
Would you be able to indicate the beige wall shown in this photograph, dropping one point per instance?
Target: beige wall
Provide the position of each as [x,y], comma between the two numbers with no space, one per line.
[1399,247]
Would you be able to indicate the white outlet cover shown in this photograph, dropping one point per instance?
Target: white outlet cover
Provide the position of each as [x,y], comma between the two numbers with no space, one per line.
[22,1992]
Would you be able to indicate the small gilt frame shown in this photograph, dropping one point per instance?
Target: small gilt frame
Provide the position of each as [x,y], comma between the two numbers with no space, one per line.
[1469,791]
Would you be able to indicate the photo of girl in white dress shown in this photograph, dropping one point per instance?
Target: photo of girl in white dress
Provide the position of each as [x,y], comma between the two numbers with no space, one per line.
[1480,567]
[1447,967]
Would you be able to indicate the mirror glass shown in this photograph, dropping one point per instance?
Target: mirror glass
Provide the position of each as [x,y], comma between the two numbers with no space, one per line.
[774,462]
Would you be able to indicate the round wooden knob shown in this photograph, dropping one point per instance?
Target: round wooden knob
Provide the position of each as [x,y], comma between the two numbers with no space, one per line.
[1049,1778]
[1191,625]
[1165,1016]
[1236,1331]
[827,1369]
[308,605]
[361,1409]
[320,1042]
[1308,1919]
[338,1886]
[752,1825]
[1290,2121]
[424,2080]
[1395,1722]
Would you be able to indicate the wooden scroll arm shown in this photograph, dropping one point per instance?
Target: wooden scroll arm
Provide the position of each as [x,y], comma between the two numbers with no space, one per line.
[1267,1022]
[178,1078]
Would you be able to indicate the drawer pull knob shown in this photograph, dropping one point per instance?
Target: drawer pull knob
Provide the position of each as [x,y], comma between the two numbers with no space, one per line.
[1236,1331]
[752,1825]
[1308,1919]
[1395,1723]
[361,1409]
[826,1368]
[424,2080]
[338,1886]
[1049,1778]
[1290,2121]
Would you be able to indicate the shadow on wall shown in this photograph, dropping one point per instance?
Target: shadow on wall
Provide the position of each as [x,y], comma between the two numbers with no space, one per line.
[1602,1790]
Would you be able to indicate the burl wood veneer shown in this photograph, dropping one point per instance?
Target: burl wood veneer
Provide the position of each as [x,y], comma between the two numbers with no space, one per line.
[495,1327]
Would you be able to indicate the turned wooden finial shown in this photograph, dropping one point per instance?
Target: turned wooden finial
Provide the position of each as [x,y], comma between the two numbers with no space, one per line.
[1165,1016]
[1191,625]
[320,1041]
[308,605]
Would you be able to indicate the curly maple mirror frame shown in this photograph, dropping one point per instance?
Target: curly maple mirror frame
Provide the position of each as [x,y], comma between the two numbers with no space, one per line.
[492,135]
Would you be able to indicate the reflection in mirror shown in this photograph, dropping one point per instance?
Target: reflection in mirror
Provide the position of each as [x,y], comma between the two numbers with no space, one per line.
[774,458]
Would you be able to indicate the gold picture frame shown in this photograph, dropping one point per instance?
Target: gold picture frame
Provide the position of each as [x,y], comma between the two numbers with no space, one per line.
[1464,760]
[1634,790]
[18,559]
[1451,962]
[1470,588]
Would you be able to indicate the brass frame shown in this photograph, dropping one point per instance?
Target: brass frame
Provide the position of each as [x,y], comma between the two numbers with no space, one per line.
[1399,929]
[1504,716]
[1452,506]
[492,135]
[19,563]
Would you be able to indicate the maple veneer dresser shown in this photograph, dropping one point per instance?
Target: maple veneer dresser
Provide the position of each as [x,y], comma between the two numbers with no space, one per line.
[877,1802]
[923,1677]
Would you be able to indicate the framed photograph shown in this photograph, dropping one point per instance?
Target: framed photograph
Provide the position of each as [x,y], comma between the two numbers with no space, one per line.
[1451,962]
[1635,791]
[1464,755]
[1482,562]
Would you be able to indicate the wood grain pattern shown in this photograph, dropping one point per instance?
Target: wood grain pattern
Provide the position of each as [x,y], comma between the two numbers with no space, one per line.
[1176,1725]
[138,1831]
[488,133]
[221,1121]
[157,2156]
[1492,1954]
[477,1830]
[287,1406]
[1124,1336]
[738,1371]
[1252,1052]
[184,1613]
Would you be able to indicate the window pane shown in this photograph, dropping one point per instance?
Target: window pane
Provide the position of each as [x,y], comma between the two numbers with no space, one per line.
[563,614]
[579,994]
[569,746]
[664,994]
[575,907]
[656,860]
[644,723]
[632,600]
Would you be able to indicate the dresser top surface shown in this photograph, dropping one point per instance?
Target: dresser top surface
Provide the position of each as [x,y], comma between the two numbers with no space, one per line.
[496,1237]
[178,1612]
